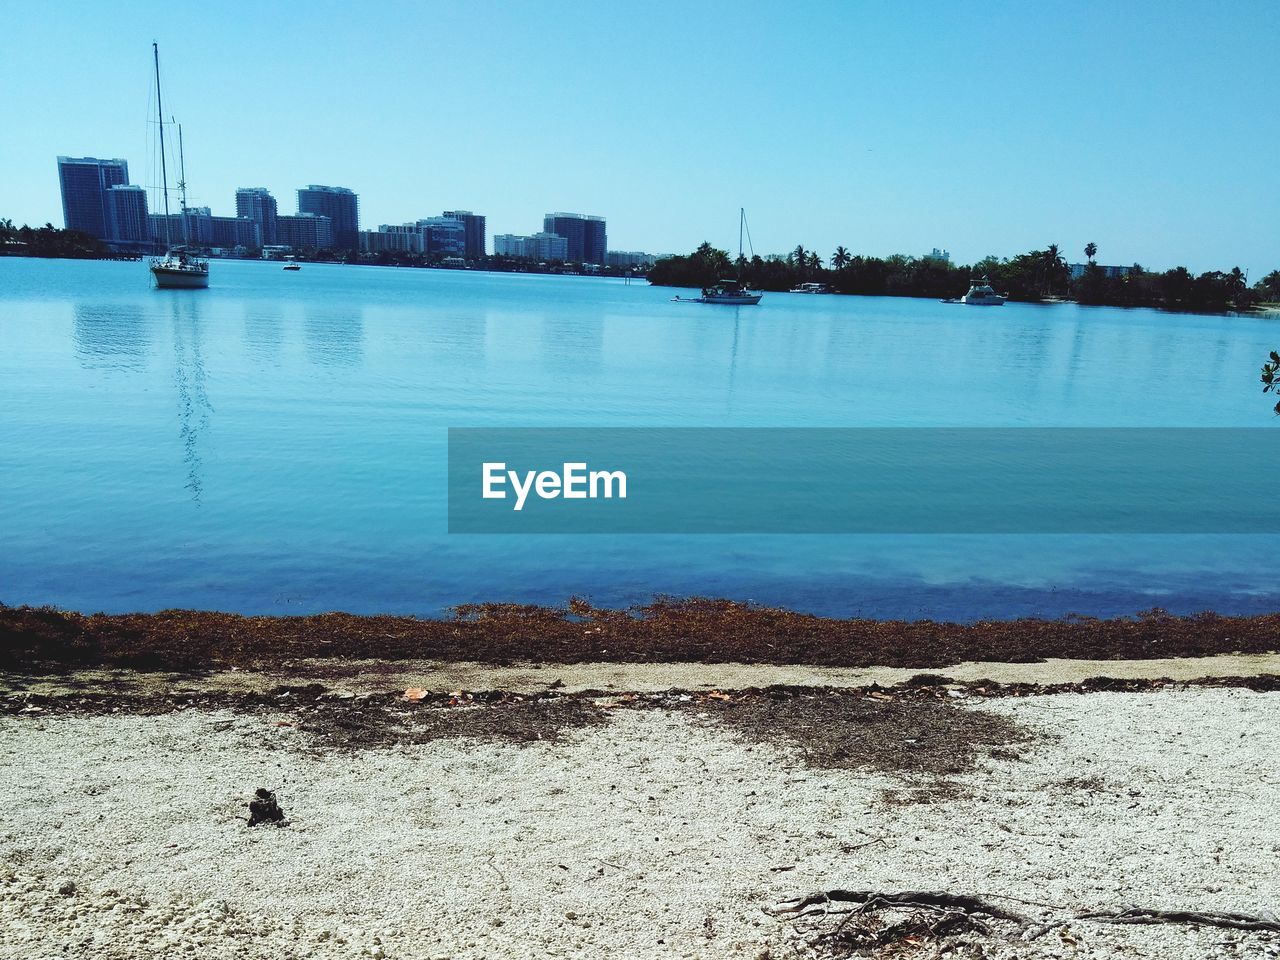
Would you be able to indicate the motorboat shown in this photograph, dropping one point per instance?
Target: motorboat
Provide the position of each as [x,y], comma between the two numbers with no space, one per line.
[292,264]
[811,288]
[982,295]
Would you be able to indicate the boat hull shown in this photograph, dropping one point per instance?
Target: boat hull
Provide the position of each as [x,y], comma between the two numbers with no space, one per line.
[168,278]
[742,301]
[983,301]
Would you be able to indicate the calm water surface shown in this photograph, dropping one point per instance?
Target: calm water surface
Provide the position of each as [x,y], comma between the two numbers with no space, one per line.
[276,444]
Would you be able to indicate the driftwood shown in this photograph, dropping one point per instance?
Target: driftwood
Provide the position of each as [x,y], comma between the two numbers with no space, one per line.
[1234,921]
[826,901]
[906,899]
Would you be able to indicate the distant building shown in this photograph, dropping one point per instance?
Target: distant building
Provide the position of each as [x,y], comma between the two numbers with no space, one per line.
[388,238]
[306,231]
[444,235]
[630,259]
[940,256]
[1078,269]
[85,182]
[341,206]
[198,226]
[538,246]
[585,235]
[475,231]
[258,205]
[127,214]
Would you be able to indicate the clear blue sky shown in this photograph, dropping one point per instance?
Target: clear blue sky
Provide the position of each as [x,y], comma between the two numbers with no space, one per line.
[1149,128]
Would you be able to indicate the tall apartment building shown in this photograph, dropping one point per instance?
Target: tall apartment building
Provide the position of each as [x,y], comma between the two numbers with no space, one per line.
[585,234]
[306,231]
[475,231]
[258,205]
[538,246]
[340,205]
[85,182]
[127,214]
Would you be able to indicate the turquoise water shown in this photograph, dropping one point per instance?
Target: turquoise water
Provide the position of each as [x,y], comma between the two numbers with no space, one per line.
[276,444]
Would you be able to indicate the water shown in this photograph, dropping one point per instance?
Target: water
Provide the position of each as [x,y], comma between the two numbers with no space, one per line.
[276,444]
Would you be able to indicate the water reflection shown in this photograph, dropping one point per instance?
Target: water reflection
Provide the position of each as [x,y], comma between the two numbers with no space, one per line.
[114,336]
[263,331]
[570,345]
[334,335]
[194,408]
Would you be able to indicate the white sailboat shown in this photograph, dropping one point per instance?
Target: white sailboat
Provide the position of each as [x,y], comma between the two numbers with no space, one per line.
[728,292]
[178,269]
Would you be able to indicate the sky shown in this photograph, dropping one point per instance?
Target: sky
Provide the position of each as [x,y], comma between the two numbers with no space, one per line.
[1149,128]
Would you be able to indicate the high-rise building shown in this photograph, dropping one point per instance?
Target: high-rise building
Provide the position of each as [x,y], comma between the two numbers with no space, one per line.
[475,231]
[127,214]
[306,231]
[538,246]
[585,234]
[258,205]
[85,182]
[341,206]
[445,235]
[630,259]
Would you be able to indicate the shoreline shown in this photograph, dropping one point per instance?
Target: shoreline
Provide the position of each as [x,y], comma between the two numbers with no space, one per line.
[696,630]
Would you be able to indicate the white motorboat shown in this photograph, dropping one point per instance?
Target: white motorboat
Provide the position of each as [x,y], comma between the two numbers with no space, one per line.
[982,295]
[810,288]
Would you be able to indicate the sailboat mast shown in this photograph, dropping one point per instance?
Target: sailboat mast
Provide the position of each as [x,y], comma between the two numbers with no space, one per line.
[742,218]
[182,171]
[164,174]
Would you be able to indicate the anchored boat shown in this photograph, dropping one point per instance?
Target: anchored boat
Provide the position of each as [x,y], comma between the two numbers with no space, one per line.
[982,295]
[179,268]
[732,293]
[729,292]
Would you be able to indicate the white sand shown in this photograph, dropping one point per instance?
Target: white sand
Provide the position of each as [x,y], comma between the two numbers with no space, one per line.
[653,836]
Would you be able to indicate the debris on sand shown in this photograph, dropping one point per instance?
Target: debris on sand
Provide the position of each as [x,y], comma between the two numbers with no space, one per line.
[264,808]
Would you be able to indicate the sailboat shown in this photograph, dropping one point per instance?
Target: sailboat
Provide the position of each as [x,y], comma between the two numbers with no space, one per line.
[729,292]
[178,268]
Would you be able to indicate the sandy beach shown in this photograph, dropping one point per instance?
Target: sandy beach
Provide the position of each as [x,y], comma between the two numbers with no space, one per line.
[440,809]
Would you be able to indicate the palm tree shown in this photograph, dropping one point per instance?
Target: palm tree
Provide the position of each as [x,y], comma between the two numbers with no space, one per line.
[1090,250]
[799,255]
[840,259]
[814,262]
[1052,266]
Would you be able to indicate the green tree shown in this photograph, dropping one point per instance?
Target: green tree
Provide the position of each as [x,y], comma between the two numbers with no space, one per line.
[840,259]
[1090,250]
[1271,376]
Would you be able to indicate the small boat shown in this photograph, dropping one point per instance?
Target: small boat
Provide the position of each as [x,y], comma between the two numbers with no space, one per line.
[981,295]
[729,292]
[810,288]
[732,293]
[179,269]
[292,264]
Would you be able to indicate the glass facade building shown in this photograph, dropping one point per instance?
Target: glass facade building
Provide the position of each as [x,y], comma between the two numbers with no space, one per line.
[340,205]
[258,205]
[585,234]
[85,182]
[475,231]
[127,214]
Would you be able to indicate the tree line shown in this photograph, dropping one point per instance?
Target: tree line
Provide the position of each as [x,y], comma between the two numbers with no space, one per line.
[49,241]
[1037,275]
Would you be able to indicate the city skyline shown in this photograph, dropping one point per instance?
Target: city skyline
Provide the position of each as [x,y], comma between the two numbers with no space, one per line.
[883,131]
